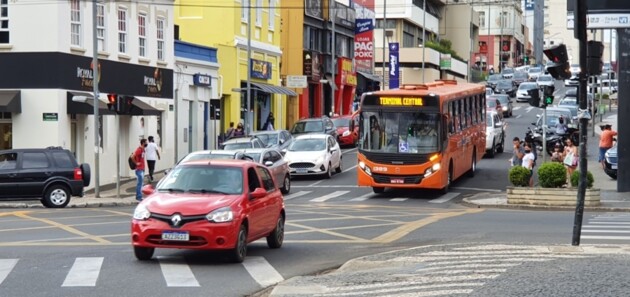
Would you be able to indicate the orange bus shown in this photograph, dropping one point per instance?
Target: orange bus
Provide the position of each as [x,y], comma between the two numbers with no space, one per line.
[421,136]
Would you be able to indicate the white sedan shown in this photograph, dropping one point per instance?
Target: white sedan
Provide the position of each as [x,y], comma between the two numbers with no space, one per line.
[315,154]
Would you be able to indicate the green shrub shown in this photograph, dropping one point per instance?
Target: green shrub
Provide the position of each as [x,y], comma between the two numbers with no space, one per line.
[552,175]
[575,178]
[606,96]
[519,176]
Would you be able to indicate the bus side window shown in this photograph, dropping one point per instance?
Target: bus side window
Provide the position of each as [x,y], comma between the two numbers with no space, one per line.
[451,117]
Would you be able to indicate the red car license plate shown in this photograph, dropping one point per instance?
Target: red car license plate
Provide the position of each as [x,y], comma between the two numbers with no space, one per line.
[397,181]
[175,235]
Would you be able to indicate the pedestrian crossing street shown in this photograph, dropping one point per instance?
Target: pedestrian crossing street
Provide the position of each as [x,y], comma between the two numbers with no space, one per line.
[609,228]
[350,196]
[450,272]
[175,271]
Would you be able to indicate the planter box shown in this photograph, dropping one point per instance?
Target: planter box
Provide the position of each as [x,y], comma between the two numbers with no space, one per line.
[551,196]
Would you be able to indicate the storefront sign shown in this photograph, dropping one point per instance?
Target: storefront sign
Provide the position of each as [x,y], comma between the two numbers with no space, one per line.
[260,69]
[50,116]
[296,81]
[346,75]
[202,80]
[55,70]
[311,65]
[364,35]
[394,66]
[313,8]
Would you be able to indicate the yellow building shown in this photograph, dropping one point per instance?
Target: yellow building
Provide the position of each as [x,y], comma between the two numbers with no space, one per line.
[223,24]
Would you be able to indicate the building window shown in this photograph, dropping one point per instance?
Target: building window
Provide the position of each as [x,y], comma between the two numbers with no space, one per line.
[259,13]
[409,32]
[272,14]
[160,39]
[4,21]
[75,23]
[142,35]
[100,26]
[482,19]
[341,46]
[391,24]
[504,19]
[122,30]
[245,10]
[312,38]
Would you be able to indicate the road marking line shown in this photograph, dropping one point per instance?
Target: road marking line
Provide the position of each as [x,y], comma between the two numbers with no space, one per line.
[407,228]
[363,197]
[6,265]
[262,272]
[529,108]
[518,116]
[84,272]
[612,223]
[330,196]
[477,189]
[446,197]
[516,108]
[398,199]
[316,183]
[349,169]
[605,231]
[327,186]
[177,273]
[606,237]
[295,195]
[63,227]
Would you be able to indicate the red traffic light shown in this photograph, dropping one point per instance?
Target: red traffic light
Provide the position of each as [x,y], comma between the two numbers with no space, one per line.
[111,98]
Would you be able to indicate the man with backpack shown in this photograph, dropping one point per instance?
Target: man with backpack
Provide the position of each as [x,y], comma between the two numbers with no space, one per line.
[138,157]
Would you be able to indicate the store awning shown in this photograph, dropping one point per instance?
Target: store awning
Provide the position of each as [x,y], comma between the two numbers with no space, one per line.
[370,76]
[86,107]
[10,101]
[141,108]
[274,89]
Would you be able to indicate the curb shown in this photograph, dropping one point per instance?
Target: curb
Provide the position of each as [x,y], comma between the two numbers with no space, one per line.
[467,202]
[80,204]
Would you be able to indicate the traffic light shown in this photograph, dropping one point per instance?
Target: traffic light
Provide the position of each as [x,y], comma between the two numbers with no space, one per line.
[547,96]
[123,104]
[111,101]
[560,69]
[526,60]
[594,52]
[534,97]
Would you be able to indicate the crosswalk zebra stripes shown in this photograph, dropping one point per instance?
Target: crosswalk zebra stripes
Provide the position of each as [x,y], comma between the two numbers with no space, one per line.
[343,195]
[6,265]
[84,272]
[607,228]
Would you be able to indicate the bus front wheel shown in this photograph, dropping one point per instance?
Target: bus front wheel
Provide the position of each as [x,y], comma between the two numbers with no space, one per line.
[449,179]
[378,190]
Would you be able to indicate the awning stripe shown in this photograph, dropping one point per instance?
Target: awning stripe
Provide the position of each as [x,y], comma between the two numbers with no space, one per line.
[274,89]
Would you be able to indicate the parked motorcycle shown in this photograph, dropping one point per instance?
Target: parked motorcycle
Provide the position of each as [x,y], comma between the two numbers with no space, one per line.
[534,136]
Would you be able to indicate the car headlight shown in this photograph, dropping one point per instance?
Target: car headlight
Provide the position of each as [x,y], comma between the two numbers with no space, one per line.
[141,213]
[504,108]
[221,215]
[346,133]
[319,160]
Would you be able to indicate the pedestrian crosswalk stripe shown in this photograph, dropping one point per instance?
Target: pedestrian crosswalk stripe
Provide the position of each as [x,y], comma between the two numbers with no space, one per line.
[6,265]
[363,197]
[330,196]
[262,272]
[177,273]
[84,272]
[605,226]
[612,223]
[296,194]
[605,237]
[605,231]
[398,199]
[516,108]
[529,108]
[445,198]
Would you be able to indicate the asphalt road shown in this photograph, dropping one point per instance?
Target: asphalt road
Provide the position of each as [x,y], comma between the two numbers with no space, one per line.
[81,252]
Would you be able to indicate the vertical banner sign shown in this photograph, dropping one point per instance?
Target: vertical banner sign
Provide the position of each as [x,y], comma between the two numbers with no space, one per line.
[394,66]
[364,35]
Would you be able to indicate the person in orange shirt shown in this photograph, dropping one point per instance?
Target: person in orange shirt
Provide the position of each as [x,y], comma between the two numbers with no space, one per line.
[605,141]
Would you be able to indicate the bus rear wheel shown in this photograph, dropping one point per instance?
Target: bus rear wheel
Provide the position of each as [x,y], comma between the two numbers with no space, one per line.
[378,190]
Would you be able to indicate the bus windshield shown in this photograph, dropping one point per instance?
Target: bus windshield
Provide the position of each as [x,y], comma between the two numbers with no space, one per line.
[399,132]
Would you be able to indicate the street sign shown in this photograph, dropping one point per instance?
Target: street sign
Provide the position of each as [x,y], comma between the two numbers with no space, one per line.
[296,81]
[50,116]
[602,21]
[445,61]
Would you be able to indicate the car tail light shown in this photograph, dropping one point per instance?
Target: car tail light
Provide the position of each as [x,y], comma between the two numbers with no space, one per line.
[78,174]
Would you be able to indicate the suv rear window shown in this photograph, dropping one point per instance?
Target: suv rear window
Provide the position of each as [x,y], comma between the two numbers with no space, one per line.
[34,160]
[63,160]
[8,161]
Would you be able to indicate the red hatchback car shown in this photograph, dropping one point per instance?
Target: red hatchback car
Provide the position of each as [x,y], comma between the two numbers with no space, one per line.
[347,129]
[209,204]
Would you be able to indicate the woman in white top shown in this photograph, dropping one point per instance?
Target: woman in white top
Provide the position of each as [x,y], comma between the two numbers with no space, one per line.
[528,162]
[152,153]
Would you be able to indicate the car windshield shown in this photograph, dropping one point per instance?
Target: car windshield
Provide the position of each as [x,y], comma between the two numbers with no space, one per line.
[568,101]
[504,84]
[399,132]
[520,75]
[206,156]
[544,78]
[492,102]
[203,179]
[308,145]
[253,156]
[534,70]
[308,126]
[552,119]
[237,146]
[488,91]
[528,86]
[268,138]
[502,98]
[341,122]
[508,71]
[495,77]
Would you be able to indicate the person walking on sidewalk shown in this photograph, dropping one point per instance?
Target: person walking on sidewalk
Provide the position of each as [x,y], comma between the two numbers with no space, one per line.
[517,153]
[153,154]
[528,162]
[139,156]
[605,142]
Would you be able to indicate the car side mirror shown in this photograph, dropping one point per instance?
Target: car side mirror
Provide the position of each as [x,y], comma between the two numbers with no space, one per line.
[148,190]
[281,141]
[498,125]
[258,193]
[283,152]
[268,163]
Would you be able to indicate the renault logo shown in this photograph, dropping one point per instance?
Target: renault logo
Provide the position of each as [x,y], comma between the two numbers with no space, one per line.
[176,219]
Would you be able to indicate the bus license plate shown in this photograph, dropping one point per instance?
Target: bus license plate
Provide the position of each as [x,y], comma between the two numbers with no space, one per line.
[397,181]
[175,236]
[613,166]
[301,170]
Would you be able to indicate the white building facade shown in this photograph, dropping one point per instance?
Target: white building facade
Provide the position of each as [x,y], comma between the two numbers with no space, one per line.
[47,63]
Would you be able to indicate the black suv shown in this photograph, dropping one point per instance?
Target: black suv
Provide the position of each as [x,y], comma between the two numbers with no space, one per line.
[51,174]
[322,125]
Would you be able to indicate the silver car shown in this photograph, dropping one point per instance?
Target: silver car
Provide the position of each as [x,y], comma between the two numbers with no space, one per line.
[273,159]
[279,139]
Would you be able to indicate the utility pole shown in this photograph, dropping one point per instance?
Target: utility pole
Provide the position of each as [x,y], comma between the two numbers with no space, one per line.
[385,37]
[249,67]
[95,78]
[539,23]
[424,35]
[472,42]
[333,15]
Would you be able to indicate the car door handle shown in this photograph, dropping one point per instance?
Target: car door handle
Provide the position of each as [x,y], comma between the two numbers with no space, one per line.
[48,173]
[12,174]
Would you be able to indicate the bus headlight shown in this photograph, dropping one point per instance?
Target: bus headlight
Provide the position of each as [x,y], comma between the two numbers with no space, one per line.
[430,171]
[365,168]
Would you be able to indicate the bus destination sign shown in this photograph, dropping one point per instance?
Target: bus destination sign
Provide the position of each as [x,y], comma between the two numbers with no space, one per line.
[399,101]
